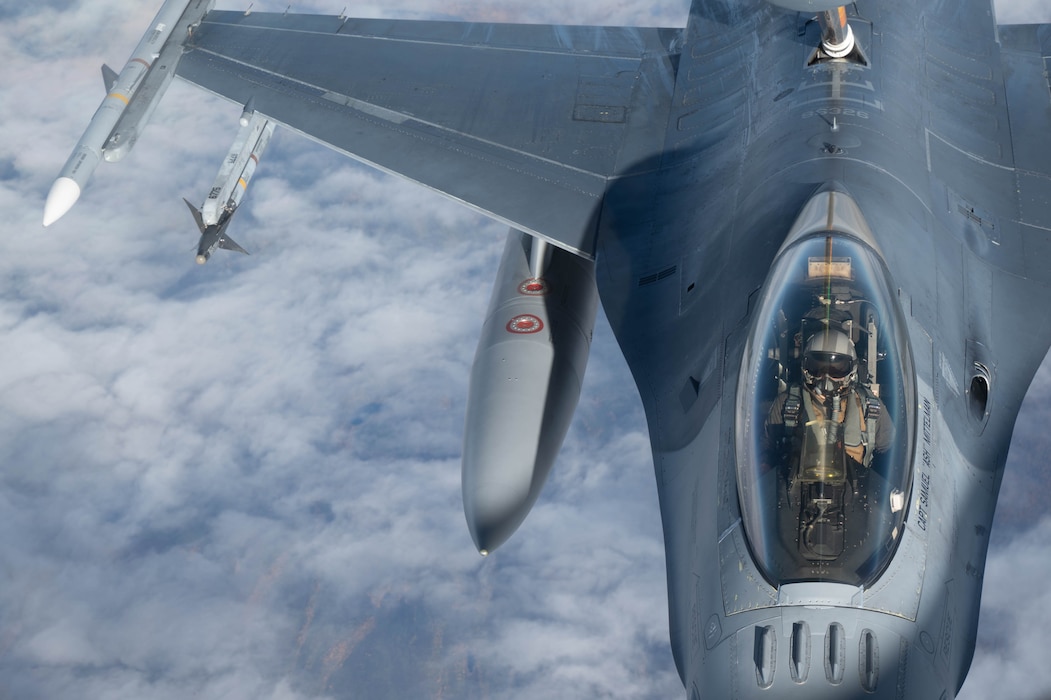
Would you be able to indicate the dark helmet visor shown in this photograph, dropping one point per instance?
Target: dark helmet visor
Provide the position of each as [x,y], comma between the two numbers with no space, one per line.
[828,364]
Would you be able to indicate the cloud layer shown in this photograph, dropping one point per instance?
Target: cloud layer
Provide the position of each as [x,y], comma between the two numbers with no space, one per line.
[241,480]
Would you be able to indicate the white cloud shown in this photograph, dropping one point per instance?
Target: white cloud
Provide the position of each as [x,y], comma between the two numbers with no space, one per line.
[1022,11]
[242,480]
[1015,604]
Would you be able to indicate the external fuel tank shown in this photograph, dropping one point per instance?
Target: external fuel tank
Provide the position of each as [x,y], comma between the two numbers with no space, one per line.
[525,382]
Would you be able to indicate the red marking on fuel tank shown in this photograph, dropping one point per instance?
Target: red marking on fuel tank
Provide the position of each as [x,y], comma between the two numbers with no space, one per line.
[533,287]
[525,323]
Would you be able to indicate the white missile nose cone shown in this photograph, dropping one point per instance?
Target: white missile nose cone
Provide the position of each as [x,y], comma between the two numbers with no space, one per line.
[63,195]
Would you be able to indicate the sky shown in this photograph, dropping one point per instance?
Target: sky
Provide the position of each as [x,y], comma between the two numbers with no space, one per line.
[242,479]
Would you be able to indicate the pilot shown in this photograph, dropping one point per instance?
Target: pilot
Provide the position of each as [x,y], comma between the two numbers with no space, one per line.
[832,392]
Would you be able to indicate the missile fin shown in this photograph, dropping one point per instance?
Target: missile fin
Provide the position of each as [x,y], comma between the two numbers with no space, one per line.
[109,78]
[227,243]
[196,214]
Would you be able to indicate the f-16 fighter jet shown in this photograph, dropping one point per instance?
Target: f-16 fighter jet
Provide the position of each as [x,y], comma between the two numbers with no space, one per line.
[820,234]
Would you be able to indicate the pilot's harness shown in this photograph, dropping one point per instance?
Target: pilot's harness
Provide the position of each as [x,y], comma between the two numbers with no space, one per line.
[860,419]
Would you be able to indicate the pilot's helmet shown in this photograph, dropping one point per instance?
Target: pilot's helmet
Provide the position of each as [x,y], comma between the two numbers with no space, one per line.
[830,363]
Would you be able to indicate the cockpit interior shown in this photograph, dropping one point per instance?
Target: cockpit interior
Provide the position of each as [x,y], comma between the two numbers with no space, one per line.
[824,469]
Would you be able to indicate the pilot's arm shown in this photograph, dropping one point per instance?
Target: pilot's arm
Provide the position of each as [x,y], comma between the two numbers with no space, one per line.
[884,429]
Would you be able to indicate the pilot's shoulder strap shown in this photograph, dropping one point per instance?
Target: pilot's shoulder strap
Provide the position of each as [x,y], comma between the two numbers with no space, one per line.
[870,404]
[792,407]
[870,412]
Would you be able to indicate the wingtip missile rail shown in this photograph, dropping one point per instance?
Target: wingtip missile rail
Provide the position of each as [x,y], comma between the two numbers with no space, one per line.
[130,100]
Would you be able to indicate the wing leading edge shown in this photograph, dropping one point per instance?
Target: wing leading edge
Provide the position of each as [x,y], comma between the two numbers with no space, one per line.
[525,123]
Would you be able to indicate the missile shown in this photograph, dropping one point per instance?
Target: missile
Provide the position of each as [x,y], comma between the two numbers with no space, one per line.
[525,383]
[237,168]
[131,99]
[231,184]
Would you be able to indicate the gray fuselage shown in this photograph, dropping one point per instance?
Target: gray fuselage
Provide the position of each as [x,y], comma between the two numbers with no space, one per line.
[916,132]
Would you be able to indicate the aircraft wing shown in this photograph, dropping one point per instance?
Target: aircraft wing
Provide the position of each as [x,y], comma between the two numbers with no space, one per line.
[1026,55]
[524,123]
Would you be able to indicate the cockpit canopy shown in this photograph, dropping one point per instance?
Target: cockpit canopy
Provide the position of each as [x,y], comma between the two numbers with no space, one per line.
[824,425]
